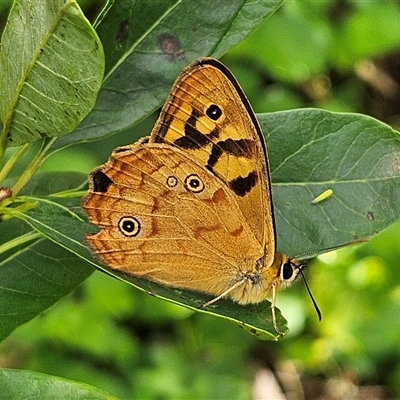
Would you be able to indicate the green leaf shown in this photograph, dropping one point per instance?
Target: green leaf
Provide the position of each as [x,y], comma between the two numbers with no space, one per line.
[20,384]
[33,278]
[54,182]
[34,272]
[310,151]
[313,150]
[147,45]
[52,64]
[68,232]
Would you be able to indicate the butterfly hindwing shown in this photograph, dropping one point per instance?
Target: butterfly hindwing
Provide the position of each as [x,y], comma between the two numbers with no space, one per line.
[164,217]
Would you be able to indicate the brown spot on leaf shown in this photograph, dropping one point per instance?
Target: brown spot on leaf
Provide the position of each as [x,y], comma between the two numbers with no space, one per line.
[123,32]
[396,165]
[170,45]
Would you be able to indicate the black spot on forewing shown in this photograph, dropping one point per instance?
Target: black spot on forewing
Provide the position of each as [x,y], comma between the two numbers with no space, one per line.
[237,148]
[163,128]
[241,186]
[101,182]
[216,153]
[193,138]
[214,112]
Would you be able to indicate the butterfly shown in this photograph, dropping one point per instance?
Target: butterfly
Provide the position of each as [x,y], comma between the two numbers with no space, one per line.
[190,206]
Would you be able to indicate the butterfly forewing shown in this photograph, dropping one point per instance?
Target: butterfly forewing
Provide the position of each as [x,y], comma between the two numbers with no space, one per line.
[208,116]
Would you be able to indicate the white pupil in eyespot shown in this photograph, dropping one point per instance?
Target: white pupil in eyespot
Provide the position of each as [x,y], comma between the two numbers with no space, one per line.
[129,226]
[214,112]
[194,183]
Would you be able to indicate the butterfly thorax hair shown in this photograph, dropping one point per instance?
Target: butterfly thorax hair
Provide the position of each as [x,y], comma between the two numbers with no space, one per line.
[260,283]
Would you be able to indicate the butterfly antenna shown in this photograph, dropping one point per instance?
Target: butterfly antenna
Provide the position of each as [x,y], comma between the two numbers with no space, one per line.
[318,311]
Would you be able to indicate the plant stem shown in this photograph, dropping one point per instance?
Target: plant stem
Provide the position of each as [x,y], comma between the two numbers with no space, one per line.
[8,166]
[3,141]
[33,167]
[20,240]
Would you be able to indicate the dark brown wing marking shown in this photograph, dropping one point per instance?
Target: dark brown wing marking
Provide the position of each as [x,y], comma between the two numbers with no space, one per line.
[241,186]
[238,148]
[193,138]
[100,181]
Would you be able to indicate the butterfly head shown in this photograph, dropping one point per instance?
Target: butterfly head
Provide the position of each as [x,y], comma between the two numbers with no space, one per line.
[289,271]
[286,270]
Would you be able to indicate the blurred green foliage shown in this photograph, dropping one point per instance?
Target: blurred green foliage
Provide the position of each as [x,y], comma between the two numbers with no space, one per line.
[114,337]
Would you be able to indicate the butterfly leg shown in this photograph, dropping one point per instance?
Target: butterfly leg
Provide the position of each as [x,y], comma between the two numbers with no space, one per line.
[273,310]
[237,284]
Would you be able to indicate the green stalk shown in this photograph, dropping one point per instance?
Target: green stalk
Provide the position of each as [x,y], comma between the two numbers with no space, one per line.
[3,142]
[33,167]
[20,240]
[8,166]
